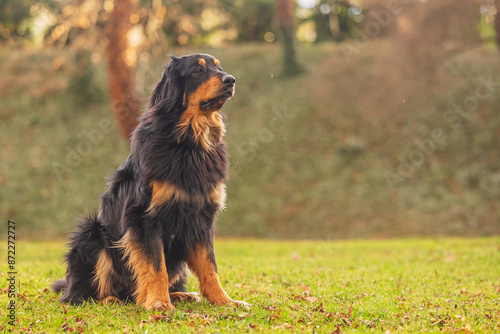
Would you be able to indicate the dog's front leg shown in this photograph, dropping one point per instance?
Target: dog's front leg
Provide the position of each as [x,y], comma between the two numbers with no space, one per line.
[201,261]
[146,260]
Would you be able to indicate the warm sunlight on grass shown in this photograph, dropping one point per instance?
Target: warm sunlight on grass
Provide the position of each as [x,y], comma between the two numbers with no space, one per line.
[413,286]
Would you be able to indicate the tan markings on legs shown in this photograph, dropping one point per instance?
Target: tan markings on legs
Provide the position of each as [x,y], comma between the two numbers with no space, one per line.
[181,295]
[187,296]
[103,274]
[173,279]
[203,268]
[151,290]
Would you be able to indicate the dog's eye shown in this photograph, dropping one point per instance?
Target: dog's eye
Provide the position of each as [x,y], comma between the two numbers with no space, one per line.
[219,68]
[198,70]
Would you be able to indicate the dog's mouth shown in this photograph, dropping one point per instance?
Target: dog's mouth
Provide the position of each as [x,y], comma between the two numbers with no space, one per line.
[217,102]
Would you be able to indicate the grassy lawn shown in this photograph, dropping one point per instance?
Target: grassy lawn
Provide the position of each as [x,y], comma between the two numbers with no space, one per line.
[414,286]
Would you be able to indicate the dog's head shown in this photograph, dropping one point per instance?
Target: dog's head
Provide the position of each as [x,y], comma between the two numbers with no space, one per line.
[189,95]
[194,81]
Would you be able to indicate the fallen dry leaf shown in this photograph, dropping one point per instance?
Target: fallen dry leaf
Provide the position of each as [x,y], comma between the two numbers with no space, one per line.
[310,299]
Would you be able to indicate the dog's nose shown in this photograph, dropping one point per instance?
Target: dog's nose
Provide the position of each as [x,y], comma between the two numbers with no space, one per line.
[229,80]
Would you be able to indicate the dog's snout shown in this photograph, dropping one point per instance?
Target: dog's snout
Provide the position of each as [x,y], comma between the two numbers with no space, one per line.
[229,80]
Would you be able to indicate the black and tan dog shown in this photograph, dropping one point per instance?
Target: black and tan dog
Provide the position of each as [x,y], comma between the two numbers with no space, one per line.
[157,217]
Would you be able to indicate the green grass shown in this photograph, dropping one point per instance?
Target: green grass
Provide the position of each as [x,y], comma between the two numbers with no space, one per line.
[412,286]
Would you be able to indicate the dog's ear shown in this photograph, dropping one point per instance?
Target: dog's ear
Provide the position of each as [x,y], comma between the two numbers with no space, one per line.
[169,91]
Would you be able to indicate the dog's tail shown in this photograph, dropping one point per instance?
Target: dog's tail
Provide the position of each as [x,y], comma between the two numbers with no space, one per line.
[86,244]
[59,285]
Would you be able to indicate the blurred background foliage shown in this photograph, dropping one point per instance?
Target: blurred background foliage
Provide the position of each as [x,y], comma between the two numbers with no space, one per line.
[188,22]
[317,155]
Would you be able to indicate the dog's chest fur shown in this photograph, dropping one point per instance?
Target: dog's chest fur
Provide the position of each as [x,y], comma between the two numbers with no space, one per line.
[179,174]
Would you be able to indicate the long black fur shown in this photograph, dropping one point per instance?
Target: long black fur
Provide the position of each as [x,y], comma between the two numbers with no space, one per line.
[156,153]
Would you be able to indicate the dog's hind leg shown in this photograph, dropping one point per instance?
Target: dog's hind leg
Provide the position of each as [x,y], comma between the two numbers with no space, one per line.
[178,289]
[187,296]
[103,277]
[113,281]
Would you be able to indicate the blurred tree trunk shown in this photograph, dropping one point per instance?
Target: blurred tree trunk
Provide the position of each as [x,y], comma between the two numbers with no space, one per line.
[497,22]
[121,67]
[284,15]
[337,26]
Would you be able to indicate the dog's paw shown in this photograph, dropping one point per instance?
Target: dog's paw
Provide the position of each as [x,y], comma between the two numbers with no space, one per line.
[240,303]
[160,306]
[187,296]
